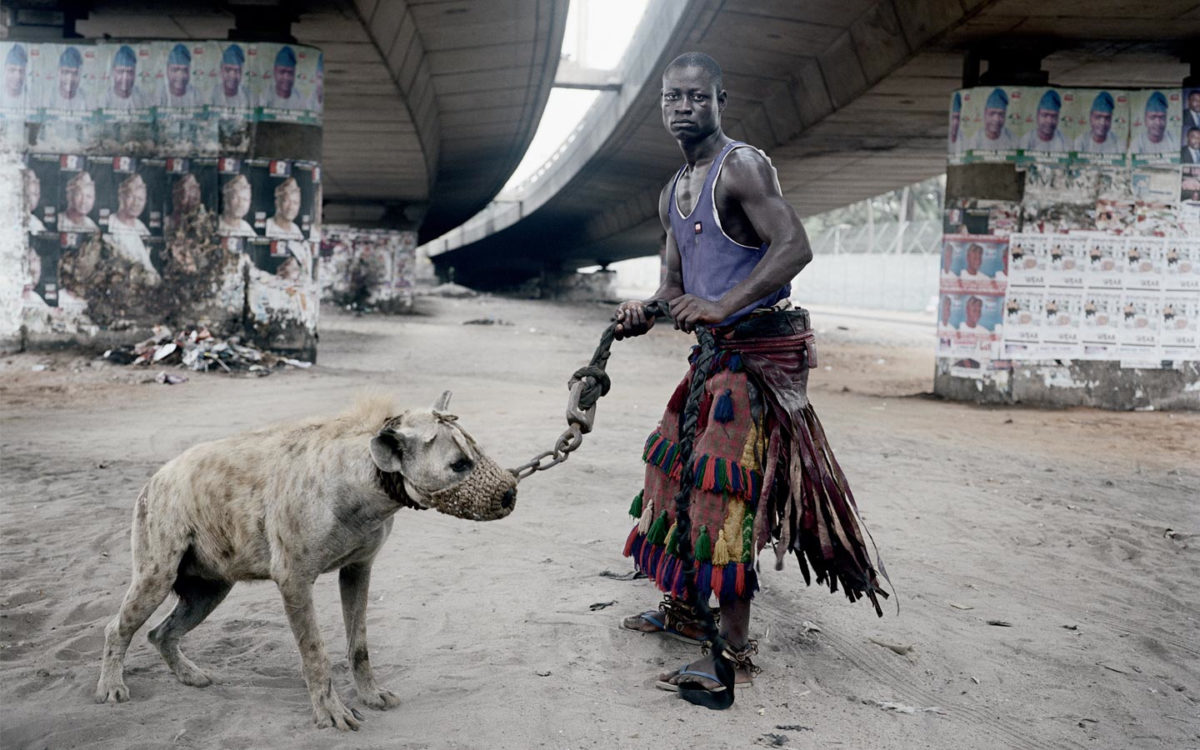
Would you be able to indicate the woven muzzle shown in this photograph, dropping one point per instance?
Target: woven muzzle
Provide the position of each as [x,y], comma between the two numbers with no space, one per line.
[488,493]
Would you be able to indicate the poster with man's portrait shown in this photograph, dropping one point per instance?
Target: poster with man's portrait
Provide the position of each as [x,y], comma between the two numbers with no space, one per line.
[39,289]
[236,199]
[1046,136]
[993,122]
[1182,260]
[14,91]
[286,78]
[40,186]
[67,79]
[1101,324]
[1061,336]
[1145,261]
[231,101]
[1156,118]
[181,116]
[1141,315]
[191,192]
[1100,121]
[1189,184]
[308,179]
[125,115]
[1189,147]
[1180,326]
[1023,318]
[130,192]
[78,211]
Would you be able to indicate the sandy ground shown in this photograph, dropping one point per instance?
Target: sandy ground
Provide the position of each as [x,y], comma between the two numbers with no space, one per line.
[1078,528]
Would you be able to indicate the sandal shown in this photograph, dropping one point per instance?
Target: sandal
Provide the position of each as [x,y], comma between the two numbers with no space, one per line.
[673,618]
[740,660]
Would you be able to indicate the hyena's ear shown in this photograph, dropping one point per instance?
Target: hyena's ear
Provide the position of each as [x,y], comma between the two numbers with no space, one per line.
[387,450]
[443,402]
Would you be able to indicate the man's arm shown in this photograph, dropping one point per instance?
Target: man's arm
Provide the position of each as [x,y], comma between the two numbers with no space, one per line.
[748,180]
[631,316]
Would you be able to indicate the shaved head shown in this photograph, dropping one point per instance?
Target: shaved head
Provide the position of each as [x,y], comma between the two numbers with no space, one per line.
[701,61]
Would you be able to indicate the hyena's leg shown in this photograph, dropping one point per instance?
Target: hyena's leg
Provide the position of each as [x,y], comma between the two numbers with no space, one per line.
[328,709]
[198,597]
[354,581]
[145,593]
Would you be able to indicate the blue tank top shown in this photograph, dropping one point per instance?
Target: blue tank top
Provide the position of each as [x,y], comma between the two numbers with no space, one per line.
[712,262]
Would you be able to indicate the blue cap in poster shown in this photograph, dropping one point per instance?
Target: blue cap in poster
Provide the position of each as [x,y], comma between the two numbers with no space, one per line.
[997,100]
[1156,103]
[286,58]
[16,56]
[1103,102]
[956,102]
[124,57]
[70,58]
[1050,101]
[233,55]
[179,56]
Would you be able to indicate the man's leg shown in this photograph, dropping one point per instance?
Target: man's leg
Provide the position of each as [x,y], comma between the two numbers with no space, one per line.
[735,631]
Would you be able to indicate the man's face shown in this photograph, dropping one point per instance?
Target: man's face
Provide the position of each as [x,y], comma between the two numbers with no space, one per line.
[68,82]
[1156,125]
[974,258]
[239,203]
[1047,123]
[231,78]
[1101,123]
[691,104]
[945,309]
[177,79]
[288,204]
[14,79]
[133,202]
[993,121]
[123,76]
[83,198]
[1194,101]
[1194,138]
[285,78]
[189,193]
[33,191]
[955,119]
[974,311]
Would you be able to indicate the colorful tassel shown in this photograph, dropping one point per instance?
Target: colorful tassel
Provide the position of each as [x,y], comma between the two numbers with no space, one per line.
[635,509]
[633,535]
[748,539]
[672,543]
[718,576]
[658,530]
[739,584]
[703,551]
[723,411]
[720,555]
[704,580]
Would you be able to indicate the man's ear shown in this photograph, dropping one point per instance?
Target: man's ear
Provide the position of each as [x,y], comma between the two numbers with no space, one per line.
[387,451]
[721,100]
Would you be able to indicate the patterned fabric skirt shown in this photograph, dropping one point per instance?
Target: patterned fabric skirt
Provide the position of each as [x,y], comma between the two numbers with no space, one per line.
[763,473]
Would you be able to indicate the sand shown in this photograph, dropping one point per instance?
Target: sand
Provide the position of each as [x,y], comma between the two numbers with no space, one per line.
[1076,528]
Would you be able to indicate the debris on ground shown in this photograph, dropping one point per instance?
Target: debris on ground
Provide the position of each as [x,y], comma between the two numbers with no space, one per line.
[602,605]
[488,321]
[452,291]
[900,708]
[902,650]
[195,348]
[632,575]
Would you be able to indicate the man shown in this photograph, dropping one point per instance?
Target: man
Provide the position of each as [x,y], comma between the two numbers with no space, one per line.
[1153,138]
[33,196]
[1191,115]
[282,225]
[316,103]
[1099,138]
[1045,135]
[180,91]
[994,135]
[733,243]
[1190,154]
[81,199]
[235,202]
[67,95]
[283,93]
[12,96]
[124,93]
[974,260]
[974,311]
[231,93]
[126,229]
[955,146]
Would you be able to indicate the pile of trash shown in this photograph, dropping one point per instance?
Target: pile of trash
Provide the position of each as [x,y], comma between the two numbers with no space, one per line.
[197,349]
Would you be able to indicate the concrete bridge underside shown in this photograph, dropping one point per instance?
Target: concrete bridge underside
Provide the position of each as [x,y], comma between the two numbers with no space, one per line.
[430,104]
[849,98]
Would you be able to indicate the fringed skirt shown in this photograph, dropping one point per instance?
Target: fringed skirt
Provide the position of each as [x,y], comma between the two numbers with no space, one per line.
[763,473]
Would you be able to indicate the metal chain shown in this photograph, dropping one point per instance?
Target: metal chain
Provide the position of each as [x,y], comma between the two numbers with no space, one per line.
[587,385]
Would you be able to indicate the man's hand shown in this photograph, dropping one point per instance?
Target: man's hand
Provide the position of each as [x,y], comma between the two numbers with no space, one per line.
[632,320]
[690,311]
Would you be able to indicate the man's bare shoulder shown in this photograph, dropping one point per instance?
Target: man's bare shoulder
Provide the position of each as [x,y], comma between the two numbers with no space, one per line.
[747,170]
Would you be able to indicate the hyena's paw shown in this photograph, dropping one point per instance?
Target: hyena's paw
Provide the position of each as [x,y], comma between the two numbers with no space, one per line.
[331,713]
[379,698]
[111,691]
